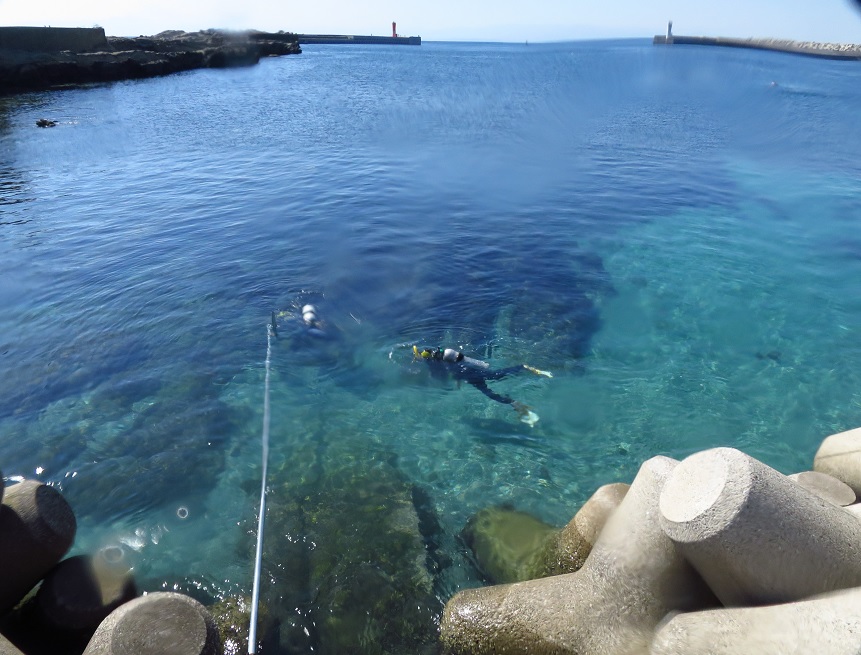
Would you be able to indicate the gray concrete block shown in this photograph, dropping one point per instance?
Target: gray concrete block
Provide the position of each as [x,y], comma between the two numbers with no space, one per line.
[155,624]
[567,551]
[825,625]
[754,535]
[840,456]
[631,580]
[8,648]
[80,592]
[37,527]
[826,487]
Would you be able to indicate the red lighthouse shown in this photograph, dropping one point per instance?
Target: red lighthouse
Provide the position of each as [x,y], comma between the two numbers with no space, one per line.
[394,29]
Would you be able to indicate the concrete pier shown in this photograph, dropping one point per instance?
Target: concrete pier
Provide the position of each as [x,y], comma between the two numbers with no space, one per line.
[351,39]
[807,48]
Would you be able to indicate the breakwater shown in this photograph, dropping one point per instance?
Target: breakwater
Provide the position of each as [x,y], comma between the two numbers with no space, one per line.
[806,48]
[715,554]
[352,39]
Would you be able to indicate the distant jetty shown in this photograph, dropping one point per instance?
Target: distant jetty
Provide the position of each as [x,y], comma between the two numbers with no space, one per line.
[351,39]
[806,48]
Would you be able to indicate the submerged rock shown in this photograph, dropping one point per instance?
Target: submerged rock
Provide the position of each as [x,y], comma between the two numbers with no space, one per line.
[512,546]
[346,557]
[507,544]
[232,618]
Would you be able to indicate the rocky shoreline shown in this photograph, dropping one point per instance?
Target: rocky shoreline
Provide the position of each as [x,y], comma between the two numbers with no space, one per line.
[140,57]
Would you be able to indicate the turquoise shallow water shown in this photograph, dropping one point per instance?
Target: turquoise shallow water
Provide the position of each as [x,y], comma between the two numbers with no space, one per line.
[671,234]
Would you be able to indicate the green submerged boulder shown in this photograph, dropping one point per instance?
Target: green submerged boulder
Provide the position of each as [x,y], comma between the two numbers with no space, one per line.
[510,545]
[344,556]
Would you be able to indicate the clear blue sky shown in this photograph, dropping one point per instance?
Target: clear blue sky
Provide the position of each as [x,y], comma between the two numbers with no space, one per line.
[459,20]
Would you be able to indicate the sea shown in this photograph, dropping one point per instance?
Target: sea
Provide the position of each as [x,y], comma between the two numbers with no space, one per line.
[673,232]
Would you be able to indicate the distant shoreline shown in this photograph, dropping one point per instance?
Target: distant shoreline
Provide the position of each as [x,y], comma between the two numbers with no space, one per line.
[843,51]
[33,58]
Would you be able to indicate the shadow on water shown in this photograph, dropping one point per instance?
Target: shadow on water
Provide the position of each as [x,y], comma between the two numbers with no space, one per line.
[535,295]
[496,432]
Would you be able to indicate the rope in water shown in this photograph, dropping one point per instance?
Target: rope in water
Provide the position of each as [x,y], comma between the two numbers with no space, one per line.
[255,595]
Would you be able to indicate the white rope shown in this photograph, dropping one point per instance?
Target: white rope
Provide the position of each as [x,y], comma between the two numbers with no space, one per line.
[255,594]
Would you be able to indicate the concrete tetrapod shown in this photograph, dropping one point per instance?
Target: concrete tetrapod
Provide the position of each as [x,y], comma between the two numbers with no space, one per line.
[80,592]
[840,455]
[8,648]
[37,527]
[155,624]
[825,625]
[631,580]
[567,551]
[826,487]
[755,536]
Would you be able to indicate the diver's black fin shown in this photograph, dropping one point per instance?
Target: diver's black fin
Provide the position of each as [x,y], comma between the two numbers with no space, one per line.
[273,327]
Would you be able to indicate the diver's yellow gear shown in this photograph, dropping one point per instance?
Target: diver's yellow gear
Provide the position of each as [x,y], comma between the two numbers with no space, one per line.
[425,353]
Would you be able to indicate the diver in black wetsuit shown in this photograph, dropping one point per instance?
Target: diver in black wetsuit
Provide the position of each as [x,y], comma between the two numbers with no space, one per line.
[450,362]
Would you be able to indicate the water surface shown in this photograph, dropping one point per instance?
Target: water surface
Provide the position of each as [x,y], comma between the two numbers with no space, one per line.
[665,229]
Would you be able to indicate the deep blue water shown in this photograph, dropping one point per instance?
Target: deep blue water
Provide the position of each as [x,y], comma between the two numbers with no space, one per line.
[669,232]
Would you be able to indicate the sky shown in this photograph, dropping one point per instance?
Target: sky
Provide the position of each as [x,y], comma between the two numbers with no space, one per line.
[458,20]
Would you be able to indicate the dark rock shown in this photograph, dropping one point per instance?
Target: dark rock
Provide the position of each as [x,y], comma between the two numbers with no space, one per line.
[135,58]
